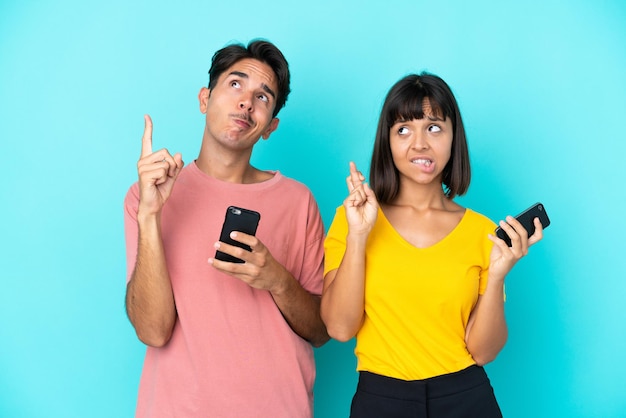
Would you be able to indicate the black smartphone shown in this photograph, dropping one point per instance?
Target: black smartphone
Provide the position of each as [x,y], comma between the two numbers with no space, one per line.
[237,219]
[526,219]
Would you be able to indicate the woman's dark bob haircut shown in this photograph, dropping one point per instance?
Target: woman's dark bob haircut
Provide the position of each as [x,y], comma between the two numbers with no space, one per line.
[403,103]
[259,50]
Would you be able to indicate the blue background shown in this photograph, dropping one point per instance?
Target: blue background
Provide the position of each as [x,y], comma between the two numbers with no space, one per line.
[542,89]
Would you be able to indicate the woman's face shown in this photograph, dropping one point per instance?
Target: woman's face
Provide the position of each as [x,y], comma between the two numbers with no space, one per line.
[421,148]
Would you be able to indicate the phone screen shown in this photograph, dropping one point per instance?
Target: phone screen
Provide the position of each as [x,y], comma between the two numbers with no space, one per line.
[526,219]
[237,219]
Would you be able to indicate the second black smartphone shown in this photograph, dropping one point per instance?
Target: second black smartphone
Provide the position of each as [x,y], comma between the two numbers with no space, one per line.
[237,219]
[526,219]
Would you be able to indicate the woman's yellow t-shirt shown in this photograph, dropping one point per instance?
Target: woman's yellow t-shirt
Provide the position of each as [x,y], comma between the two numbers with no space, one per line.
[417,300]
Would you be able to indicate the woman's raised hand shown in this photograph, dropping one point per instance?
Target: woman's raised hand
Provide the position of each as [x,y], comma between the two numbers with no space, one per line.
[361,205]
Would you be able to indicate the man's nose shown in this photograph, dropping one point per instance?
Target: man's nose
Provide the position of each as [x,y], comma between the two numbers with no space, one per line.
[245,102]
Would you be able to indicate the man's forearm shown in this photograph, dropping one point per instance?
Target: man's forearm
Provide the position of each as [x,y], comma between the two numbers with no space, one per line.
[149,297]
[301,310]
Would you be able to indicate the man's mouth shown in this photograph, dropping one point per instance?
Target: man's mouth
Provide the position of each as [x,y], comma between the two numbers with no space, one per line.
[242,120]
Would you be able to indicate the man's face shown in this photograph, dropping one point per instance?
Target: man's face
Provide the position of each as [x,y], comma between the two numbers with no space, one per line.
[239,108]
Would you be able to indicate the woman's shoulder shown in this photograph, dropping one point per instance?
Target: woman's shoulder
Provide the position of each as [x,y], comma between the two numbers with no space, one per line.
[479,219]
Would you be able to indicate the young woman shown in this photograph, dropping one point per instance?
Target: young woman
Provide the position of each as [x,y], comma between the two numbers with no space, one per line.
[416,277]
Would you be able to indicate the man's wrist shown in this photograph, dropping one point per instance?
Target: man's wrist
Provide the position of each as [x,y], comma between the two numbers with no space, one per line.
[283,284]
[147,219]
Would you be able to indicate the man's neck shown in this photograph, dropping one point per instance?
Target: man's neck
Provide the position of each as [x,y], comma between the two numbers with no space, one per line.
[231,170]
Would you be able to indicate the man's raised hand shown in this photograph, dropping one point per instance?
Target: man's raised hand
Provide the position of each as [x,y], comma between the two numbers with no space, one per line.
[157,173]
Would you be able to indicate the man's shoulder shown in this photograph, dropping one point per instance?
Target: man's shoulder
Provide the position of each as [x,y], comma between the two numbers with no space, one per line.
[293,184]
[132,193]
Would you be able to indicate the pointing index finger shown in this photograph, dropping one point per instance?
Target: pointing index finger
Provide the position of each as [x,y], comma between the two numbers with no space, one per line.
[146,140]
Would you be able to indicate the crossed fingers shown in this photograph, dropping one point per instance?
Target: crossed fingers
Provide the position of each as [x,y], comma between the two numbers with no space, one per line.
[354,181]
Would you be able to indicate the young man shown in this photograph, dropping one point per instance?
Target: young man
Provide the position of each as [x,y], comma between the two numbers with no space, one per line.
[225,339]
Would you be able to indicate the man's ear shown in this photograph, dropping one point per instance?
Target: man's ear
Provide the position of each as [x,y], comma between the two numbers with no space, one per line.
[203,98]
[271,128]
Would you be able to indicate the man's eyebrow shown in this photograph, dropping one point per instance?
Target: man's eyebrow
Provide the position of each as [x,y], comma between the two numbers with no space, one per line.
[268,90]
[239,74]
[264,86]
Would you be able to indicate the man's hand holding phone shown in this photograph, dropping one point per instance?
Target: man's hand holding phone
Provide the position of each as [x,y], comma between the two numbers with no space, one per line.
[157,173]
[237,220]
[242,255]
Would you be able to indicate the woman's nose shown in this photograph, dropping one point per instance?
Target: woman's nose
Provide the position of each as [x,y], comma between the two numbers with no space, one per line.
[420,141]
